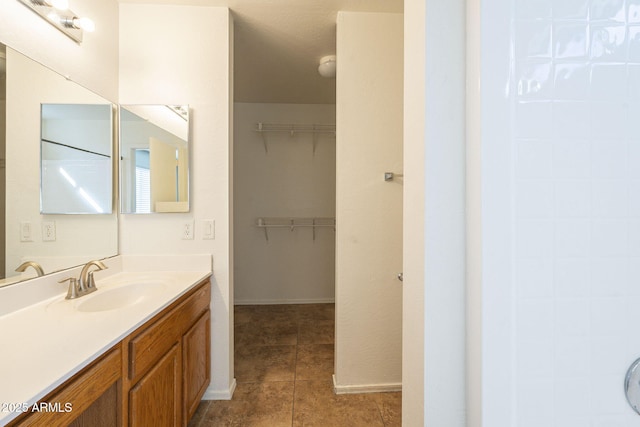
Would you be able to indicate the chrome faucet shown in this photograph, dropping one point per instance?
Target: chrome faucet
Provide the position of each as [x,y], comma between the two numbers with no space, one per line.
[86,283]
[37,267]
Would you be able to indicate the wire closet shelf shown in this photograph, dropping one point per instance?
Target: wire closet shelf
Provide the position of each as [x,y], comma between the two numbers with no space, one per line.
[292,223]
[292,129]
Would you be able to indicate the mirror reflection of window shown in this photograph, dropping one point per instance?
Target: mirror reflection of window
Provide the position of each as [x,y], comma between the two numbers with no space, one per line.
[75,158]
[154,158]
[143,182]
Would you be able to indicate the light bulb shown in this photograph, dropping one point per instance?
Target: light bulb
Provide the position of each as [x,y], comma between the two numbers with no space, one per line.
[85,24]
[60,4]
[53,16]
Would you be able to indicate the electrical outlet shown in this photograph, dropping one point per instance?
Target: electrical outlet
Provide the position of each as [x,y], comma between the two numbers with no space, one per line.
[208,229]
[48,231]
[26,232]
[187,230]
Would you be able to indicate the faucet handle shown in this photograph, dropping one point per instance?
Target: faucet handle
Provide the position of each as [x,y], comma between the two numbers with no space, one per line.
[73,287]
[91,282]
[87,282]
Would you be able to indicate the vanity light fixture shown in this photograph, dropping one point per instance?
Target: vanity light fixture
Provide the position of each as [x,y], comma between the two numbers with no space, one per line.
[78,23]
[181,110]
[57,4]
[56,12]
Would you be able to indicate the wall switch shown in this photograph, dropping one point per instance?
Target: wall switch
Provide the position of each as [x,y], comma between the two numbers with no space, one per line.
[208,229]
[26,231]
[187,230]
[48,231]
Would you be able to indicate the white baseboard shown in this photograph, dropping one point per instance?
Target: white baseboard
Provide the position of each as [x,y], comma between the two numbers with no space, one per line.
[284,301]
[211,394]
[365,388]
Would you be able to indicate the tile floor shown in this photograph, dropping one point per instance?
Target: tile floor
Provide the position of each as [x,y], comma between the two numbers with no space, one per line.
[283,368]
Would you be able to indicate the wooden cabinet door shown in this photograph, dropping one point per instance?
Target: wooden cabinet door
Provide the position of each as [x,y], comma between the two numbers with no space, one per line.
[103,412]
[91,394]
[196,356]
[155,399]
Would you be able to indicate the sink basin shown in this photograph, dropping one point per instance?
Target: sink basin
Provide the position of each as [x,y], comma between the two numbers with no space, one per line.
[120,297]
[111,297]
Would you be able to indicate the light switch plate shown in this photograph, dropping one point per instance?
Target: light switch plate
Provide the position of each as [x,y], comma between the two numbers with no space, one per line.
[208,229]
[26,231]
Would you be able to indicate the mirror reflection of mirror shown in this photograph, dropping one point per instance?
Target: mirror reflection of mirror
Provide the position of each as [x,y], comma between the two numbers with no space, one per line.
[76,158]
[32,243]
[154,154]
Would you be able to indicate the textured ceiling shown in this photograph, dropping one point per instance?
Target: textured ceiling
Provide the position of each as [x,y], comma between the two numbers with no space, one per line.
[278,45]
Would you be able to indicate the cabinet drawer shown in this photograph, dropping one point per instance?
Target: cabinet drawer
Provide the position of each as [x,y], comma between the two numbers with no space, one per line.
[154,341]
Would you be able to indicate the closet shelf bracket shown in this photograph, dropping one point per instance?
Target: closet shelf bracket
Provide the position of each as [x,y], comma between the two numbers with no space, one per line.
[293,223]
[293,129]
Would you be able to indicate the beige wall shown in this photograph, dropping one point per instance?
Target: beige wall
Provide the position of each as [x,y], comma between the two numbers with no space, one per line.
[161,63]
[288,181]
[368,209]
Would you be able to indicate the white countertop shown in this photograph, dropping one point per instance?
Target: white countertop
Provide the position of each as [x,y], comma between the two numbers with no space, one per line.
[46,343]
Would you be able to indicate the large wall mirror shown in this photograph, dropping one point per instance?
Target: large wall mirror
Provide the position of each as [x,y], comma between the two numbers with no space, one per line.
[35,105]
[154,158]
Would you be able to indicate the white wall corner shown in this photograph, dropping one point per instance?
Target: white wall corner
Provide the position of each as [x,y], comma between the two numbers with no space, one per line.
[444,218]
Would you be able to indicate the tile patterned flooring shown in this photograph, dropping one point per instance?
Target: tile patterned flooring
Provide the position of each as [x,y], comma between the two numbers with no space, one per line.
[283,369]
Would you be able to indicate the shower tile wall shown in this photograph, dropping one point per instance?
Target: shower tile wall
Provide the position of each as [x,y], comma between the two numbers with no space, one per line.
[575,95]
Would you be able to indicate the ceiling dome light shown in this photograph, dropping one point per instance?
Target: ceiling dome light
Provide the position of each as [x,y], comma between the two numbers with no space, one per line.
[327,67]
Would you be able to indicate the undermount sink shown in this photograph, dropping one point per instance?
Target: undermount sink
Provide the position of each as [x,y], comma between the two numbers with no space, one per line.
[120,297]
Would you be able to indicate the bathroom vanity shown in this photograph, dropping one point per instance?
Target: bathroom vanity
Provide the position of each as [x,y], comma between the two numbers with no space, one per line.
[135,352]
[169,363]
